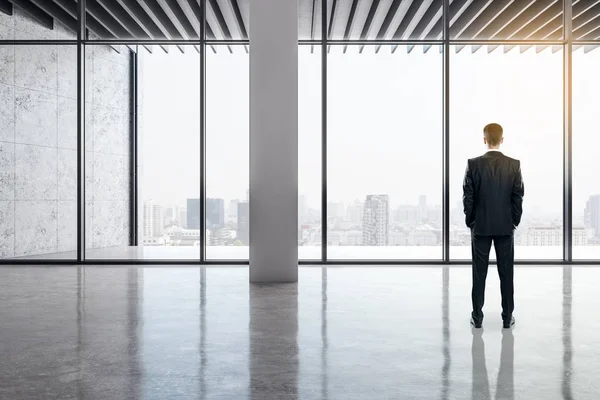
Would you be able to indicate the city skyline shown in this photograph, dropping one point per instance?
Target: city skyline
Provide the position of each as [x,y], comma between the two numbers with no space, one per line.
[373,223]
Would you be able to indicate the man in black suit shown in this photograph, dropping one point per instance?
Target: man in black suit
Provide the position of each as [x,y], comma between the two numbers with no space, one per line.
[493,203]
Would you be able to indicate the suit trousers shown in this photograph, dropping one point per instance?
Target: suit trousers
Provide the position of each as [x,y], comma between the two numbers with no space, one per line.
[505,256]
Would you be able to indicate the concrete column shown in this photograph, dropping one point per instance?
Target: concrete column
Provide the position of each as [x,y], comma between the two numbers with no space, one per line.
[273,140]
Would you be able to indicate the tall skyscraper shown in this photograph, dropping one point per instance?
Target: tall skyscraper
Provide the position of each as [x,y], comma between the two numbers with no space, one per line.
[154,219]
[243,222]
[193,214]
[592,214]
[422,201]
[215,213]
[376,220]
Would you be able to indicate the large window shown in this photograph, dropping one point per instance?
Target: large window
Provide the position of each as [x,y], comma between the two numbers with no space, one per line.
[227,153]
[169,153]
[384,147]
[523,92]
[586,164]
[309,152]
[169,180]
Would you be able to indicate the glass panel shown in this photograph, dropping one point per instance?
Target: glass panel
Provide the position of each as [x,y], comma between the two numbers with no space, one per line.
[309,153]
[227,152]
[384,153]
[38,151]
[586,186]
[169,153]
[143,20]
[522,91]
[385,20]
[501,20]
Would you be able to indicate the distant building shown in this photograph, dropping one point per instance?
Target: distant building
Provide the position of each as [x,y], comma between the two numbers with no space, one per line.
[592,215]
[376,221]
[169,214]
[193,214]
[232,210]
[354,213]
[215,213]
[154,219]
[422,201]
[550,236]
[344,238]
[243,223]
[336,209]
[301,209]
[182,217]
[183,237]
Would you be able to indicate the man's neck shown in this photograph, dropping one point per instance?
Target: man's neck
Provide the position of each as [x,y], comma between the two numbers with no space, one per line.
[493,149]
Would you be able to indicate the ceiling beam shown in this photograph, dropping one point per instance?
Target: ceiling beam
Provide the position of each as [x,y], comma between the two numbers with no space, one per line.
[369,22]
[483,20]
[142,19]
[411,18]
[517,24]
[121,15]
[397,10]
[587,21]
[350,22]
[241,26]
[582,12]
[218,18]
[425,26]
[161,19]
[332,18]
[592,34]
[139,15]
[468,17]
[428,21]
[543,19]
[215,19]
[457,8]
[6,7]
[106,20]
[36,13]
[70,7]
[179,19]
[57,13]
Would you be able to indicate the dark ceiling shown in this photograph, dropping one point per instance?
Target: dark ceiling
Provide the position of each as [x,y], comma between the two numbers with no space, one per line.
[347,19]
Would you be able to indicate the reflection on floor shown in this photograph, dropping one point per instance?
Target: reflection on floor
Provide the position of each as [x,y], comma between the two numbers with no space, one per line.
[340,333]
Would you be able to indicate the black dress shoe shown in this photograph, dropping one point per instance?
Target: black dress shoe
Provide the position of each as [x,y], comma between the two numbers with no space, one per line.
[507,324]
[475,324]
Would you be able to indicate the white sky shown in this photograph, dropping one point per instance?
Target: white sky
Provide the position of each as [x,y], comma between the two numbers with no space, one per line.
[384,123]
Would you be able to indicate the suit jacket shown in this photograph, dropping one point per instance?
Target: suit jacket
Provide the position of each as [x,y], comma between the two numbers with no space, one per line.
[493,194]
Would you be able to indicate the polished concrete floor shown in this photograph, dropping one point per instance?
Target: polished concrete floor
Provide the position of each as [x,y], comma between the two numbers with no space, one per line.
[340,333]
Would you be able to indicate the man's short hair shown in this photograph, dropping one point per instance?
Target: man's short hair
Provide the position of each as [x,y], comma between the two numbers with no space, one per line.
[493,134]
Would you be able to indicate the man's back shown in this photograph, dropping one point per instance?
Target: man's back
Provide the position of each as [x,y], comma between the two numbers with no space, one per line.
[493,194]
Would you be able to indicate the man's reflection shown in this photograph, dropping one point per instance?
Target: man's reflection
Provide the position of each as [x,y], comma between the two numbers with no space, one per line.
[480,388]
[505,388]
